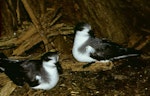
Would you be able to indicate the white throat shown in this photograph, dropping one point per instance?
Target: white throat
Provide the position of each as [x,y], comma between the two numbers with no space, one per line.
[53,77]
[79,40]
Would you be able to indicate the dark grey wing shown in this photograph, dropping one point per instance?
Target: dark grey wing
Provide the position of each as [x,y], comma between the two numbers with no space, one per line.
[12,70]
[30,69]
[105,49]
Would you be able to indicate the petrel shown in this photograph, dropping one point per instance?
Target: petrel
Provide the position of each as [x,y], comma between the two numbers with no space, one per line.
[39,74]
[88,48]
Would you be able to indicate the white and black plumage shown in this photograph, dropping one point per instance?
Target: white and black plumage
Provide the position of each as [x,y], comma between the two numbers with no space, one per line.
[88,48]
[39,74]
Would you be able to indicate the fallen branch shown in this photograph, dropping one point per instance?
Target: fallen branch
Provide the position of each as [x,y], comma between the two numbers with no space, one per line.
[27,44]
[25,35]
[29,38]
[77,66]
[35,39]
[7,89]
[7,43]
[37,32]
[58,16]
[143,43]
[36,23]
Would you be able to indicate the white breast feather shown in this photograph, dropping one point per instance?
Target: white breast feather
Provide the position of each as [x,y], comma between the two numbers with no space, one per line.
[53,77]
[80,39]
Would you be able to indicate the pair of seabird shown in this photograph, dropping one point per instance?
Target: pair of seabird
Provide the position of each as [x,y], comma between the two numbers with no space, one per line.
[88,48]
[39,74]
[43,74]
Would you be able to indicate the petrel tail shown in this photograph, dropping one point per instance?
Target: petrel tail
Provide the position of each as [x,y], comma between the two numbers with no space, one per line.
[126,53]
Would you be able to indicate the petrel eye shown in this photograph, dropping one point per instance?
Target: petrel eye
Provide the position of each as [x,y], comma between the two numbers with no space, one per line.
[47,59]
[80,29]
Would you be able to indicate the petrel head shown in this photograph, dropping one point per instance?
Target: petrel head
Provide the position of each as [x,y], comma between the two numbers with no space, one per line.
[83,28]
[51,58]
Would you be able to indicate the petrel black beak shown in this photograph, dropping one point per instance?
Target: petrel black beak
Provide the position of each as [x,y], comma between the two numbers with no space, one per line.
[59,68]
[91,33]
